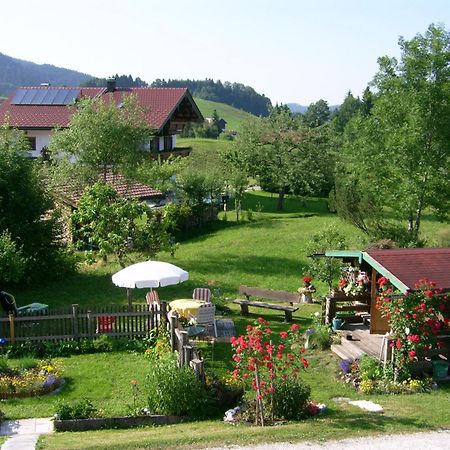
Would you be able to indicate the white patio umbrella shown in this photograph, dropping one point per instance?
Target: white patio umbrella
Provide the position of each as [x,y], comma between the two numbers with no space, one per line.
[149,274]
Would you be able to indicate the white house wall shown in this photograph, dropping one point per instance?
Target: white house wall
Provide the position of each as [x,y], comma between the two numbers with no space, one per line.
[43,138]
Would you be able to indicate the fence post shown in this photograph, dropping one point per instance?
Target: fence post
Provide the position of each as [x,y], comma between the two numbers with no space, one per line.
[184,341]
[199,370]
[75,329]
[187,357]
[89,323]
[173,324]
[11,328]
[163,315]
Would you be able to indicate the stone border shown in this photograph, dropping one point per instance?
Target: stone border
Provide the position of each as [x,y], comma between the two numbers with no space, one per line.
[115,422]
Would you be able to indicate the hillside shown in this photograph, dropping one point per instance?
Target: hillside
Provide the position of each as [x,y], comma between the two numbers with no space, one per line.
[233,116]
[234,94]
[17,72]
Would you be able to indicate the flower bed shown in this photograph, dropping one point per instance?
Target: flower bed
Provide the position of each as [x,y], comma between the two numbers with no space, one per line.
[27,382]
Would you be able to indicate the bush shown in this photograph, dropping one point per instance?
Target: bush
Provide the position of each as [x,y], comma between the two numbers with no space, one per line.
[370,368]
[174,390]
[290,399]
[320,338]
[83,409]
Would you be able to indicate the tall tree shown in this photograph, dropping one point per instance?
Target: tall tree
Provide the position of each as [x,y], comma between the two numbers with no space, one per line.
[317,114]
[283,154]
[349,108]
[401,151]
[103,135]
[28,219]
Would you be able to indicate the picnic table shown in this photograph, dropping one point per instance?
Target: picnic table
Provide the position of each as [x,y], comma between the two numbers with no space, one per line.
[186,307]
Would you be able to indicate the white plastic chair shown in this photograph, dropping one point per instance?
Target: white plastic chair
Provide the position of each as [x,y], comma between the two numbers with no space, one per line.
[202,294]
[206,316]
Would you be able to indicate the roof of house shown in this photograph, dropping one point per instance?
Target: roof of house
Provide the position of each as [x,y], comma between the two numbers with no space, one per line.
[125,188]
[160,105]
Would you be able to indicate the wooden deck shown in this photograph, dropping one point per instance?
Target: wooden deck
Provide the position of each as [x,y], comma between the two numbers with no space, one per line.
[361,343]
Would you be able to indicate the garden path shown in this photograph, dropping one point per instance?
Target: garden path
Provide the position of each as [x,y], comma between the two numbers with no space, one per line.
[24,433]
[432,440]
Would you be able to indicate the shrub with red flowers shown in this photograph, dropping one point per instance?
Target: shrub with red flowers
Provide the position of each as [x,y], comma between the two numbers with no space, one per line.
[416,318]
[263,364]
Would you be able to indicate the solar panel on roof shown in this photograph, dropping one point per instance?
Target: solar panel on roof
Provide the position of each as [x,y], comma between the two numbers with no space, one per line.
[45,96]
[18,97]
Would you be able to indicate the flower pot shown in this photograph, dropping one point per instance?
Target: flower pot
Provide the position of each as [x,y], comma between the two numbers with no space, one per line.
[440,369]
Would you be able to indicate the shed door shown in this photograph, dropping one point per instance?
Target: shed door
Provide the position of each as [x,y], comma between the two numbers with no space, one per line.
[378,324]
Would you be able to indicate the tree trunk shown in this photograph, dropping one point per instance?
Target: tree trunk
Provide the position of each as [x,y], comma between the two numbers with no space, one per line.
[281,193]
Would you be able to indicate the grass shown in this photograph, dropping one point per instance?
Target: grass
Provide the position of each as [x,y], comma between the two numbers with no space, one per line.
[233,116]
[104,378]
[201,145]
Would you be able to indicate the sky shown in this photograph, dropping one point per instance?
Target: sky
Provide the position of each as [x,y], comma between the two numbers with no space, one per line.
[292,51]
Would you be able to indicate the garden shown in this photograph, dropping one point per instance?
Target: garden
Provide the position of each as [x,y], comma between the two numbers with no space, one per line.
[110,377]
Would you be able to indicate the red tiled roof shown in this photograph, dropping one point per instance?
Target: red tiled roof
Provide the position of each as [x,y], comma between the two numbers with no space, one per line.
[411,264]
[159,103]
[125,188]
[41,116]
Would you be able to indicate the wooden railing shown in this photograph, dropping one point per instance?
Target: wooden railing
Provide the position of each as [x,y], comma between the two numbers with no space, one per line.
[343,303]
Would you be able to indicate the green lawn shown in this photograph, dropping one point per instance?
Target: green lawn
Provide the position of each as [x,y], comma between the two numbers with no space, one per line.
[201,145]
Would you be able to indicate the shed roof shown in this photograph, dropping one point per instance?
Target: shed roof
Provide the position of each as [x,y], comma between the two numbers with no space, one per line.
[408,265]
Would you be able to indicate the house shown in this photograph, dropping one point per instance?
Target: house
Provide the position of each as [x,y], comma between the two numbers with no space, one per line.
[221,123]
[39,110]
[402,267]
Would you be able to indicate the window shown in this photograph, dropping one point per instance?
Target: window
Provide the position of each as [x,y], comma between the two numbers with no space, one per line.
[32,141]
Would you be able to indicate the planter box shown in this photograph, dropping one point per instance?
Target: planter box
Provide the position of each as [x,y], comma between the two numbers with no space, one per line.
[116,422]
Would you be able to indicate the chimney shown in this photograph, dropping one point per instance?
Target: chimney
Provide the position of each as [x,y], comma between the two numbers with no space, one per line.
[111,85]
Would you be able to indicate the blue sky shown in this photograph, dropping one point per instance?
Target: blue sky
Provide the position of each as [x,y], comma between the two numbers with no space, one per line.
[291,51]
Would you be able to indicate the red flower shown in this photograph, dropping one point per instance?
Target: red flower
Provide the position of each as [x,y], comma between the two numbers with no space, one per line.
[398,344]
[283,335]
[382,281]
[249,328]
[307,279]
[305,362]
[295,326]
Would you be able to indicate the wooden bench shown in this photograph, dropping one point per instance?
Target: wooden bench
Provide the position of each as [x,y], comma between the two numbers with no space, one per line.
[268,294]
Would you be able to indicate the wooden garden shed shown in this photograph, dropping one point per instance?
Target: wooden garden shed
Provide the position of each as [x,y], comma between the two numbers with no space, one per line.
[402,267]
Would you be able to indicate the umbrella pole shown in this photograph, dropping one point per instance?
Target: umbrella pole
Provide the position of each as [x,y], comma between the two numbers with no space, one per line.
[129,298]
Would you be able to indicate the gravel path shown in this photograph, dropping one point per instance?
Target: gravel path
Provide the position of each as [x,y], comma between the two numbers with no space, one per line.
[432,440]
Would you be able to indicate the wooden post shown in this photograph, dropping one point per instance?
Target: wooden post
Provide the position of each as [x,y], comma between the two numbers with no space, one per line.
[11,328]
[199,370]
[129,298]
[187,357]
[330,309]
[173,325]
[184,341]
[163,315]
[75,330]
[89,323]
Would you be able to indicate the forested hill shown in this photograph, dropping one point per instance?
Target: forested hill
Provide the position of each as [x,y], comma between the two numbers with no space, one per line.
[17,72]
[234,94]
[124,81]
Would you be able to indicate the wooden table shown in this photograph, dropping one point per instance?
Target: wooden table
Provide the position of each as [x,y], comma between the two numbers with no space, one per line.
[186,307]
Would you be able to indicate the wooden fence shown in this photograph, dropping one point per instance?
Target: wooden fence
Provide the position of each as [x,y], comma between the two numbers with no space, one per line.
[342,303]
[187,353]
[78,322]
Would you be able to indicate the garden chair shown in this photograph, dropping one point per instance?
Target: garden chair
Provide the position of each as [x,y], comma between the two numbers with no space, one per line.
[206,316]
[105,324]
[152,298]
[202,294]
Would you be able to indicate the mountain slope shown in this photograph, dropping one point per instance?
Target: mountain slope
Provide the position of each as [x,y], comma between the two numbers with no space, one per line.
[233,116]
[16,72]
